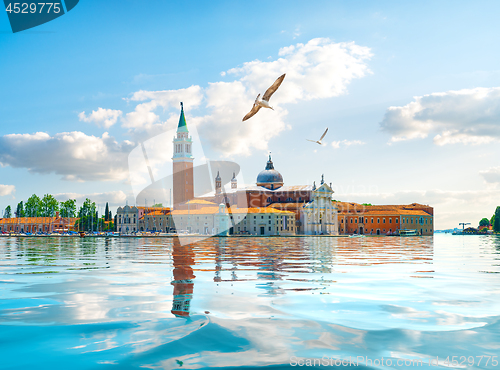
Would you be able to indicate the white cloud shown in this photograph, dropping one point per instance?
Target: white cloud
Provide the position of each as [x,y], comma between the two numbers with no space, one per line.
[7,190]
[143,117]
[347,143]
[74,155]
[318,69]
[102,117]
[114,198]
[468,116]
[491,175]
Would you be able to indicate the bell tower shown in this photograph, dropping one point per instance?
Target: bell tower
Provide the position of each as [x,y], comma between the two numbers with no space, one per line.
[183,163]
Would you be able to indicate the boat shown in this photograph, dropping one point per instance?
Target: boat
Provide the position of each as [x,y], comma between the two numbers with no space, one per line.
[408,232]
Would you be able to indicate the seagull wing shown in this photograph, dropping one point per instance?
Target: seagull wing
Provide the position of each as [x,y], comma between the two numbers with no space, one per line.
[254,110]
[269,92]
[256,99]
[324,133]
[313,141]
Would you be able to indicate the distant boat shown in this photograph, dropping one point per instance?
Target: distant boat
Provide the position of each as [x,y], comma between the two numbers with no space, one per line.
[408,232]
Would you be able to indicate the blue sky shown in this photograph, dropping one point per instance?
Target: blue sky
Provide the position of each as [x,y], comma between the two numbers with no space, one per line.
[120,55]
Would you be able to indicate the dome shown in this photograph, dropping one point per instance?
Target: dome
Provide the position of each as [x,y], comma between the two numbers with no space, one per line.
[270,178]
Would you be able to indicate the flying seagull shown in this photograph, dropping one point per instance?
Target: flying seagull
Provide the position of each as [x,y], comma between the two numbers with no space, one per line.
[322,136]
[264,102]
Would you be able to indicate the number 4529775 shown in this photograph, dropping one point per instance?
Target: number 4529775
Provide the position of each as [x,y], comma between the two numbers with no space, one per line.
[25,8]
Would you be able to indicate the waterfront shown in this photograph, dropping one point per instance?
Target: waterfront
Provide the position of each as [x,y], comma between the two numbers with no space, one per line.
[255,302]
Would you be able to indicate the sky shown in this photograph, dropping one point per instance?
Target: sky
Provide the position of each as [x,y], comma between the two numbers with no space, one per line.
[410,93]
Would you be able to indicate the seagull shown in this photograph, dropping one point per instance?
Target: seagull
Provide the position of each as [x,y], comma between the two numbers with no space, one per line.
[264,102]
[322,136]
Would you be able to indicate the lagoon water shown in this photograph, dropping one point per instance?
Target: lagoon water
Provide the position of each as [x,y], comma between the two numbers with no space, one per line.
[129,303]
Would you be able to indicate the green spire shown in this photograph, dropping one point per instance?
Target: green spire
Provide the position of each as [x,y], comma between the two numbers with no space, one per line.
[182,120]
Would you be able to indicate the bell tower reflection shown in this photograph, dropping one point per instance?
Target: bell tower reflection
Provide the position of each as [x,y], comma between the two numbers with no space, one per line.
[183,257]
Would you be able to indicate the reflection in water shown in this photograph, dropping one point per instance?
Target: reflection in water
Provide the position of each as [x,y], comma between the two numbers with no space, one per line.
[183,260]
[259,301]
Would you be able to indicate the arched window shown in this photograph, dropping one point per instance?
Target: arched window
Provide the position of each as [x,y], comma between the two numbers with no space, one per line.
[269,200]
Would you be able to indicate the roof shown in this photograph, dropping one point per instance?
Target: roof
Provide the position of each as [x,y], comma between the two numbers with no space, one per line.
[182,121]
[199,201]
[269,175]
[388,212]
[37,220]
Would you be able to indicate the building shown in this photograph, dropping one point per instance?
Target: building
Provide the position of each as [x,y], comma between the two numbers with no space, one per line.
[384,219]
[127,219]
[305,201]
[234,221]
[319,216]
[183,183]
[33,225]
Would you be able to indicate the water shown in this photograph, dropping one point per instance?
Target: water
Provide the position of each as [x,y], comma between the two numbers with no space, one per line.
[127,303]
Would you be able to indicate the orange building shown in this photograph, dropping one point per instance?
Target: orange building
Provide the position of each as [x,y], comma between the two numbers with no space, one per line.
[37,224]
[357,218]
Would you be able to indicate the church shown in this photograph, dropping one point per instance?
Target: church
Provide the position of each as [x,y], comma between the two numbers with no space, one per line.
[270,207]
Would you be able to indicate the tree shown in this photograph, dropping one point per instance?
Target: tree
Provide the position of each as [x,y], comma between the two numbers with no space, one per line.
[496,225]
[110,216]
[86,214]
[68,208]
[20,209]
[32,207]
[8,212]
[484,222]
[492,220]
[106,212]
[48,206]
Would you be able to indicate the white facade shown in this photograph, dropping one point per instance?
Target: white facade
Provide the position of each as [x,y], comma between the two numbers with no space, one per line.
[319,216]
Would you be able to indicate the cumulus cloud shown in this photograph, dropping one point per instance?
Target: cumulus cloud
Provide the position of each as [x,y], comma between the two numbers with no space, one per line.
[346,143]
[318,69]
[102,117]
[7,190]
[74,155]
[491,175]
[468,116]
[143,117]
[113,198]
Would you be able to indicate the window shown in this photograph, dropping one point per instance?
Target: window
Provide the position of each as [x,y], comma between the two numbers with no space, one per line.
[426,223]
[378,220]
[390,220]
[383,220]
[269,200]
[269,228]
[397,220]
[411,220]
[372,220]
[289,199]
[351,220]
[262,217]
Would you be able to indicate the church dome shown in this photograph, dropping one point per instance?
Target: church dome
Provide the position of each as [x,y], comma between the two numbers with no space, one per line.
[270,178]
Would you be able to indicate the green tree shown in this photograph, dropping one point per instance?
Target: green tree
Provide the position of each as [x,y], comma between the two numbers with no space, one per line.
[110,216]
[106,212]
[32,207]
[49,206]
[68,208]
[20,209]
[496,225]
[484,222]
[492,220]
[8,212]
[86,215]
